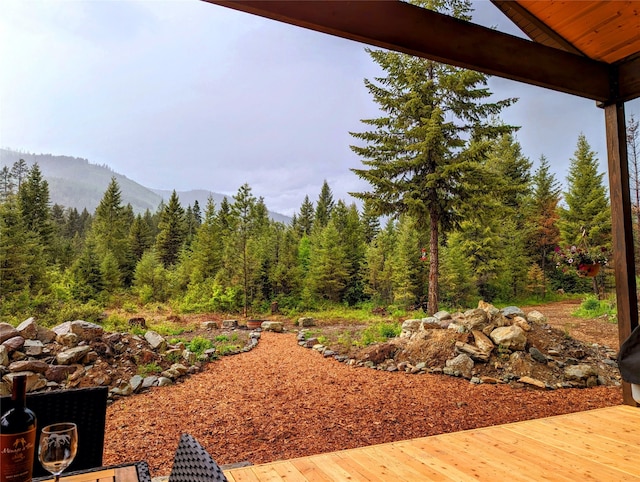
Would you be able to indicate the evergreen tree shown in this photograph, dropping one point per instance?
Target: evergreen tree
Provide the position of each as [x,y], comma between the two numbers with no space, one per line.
[140,237]
[33,198]
[586,218]
[378,269]
[21,262]
[633,149]
[172,232]
[328,271]
[543,215]
[324,206]
[406,292]
[207,246]
[109,231]
[304,222]
[246,221]
[417,158]
[7,186]
[370,223]
[197,213]
[88,282]
[19,171]
[457,282]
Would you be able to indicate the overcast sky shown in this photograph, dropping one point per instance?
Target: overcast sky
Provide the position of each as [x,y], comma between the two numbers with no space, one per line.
[188,95]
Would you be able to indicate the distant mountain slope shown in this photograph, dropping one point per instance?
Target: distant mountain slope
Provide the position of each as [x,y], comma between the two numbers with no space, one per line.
[75,182]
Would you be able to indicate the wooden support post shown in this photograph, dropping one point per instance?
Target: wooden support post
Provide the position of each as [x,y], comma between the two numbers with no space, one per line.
[622,224]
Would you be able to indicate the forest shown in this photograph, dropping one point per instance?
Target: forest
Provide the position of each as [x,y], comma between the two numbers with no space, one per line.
[455,214]
[59,264]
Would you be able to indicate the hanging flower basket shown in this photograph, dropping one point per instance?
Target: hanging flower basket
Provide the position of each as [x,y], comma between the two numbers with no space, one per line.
[586,262]
[588,270]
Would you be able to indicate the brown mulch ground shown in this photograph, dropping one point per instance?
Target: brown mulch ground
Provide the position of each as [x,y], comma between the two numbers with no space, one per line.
[281,401]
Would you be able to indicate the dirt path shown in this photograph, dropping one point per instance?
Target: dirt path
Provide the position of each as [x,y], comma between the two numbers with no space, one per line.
[282,401]
[595,330]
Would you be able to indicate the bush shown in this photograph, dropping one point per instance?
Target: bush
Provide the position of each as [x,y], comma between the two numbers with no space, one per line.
[380,332]
[199,344]
[592,307]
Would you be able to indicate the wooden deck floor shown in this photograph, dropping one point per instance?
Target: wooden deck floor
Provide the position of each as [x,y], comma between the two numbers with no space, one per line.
[600,445]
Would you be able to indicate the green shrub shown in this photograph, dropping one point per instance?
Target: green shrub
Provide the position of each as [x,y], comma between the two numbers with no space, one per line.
[380,331]
[149,368]
[199,344]
[221,338]
[592,307]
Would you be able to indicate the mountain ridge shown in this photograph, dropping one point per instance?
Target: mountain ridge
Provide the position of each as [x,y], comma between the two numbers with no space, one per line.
[74,182]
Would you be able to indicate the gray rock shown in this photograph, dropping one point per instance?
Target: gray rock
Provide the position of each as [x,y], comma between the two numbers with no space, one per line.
[536,318]
[136,383]
[45,335]
[189,357]
[72,355]
[580,372]
[409,327]
[150,381]
[537,355]
[511,337]
[442,315]
[276,326]
[67,339]
[306,321]
[210,325]
[475,319]
[512,311]
[155,340]
[462,364]
[229,324]
[33,347]
[86,331]
[124,389]
[164,381]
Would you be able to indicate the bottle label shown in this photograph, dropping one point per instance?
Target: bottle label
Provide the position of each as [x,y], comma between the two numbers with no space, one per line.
[16,456]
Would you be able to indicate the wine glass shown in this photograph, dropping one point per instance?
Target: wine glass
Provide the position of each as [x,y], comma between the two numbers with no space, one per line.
[58,447]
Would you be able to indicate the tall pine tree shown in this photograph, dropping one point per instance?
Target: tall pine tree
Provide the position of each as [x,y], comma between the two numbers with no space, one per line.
[416,155]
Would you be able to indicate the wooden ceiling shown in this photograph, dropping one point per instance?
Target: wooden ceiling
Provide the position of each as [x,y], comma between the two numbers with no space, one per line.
[586,48]
[602,30]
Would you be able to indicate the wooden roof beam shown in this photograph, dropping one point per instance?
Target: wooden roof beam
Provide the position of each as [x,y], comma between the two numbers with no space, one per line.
[407,28]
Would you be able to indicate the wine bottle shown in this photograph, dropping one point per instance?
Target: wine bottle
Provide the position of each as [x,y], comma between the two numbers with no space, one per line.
[17,436]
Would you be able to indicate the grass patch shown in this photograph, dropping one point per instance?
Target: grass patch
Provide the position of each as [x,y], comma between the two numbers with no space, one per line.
[199,345]
[149,369]
[380,332]
[592,307]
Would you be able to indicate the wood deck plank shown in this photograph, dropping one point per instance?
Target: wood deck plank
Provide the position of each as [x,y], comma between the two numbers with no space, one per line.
[465,456]
[362,464]
[604,450]
[597,445]
[540,454]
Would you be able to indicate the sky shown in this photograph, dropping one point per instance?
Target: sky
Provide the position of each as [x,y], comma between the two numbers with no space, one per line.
[182,94]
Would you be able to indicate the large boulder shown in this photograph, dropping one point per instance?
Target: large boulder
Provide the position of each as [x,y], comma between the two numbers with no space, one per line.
[511,337]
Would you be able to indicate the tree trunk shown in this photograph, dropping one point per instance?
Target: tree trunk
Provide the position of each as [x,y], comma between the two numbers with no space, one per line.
[432,304]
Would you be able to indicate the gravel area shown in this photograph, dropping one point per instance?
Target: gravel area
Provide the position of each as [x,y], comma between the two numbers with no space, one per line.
[281,401]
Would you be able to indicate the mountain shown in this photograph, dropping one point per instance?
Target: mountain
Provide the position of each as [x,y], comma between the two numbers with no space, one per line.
[75,182]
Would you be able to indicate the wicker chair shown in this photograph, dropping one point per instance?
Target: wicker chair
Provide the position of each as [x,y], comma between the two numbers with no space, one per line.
[86,407]
[192,463]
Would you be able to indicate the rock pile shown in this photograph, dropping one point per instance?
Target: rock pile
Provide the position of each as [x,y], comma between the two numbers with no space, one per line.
[487,345]
[79,353]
